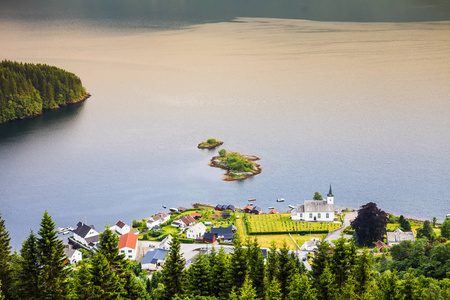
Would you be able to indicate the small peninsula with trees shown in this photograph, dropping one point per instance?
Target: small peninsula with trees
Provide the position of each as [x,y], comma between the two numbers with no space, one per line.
[26,90]
[238,166]
[209,144]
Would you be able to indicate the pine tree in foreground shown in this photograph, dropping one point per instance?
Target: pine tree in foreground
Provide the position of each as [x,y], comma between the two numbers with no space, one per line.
[199,277]
[53,273]
[106,284]
[28,269]
[173,272]
[300,288]
[83,287]
[5,258]
[221,277]
[238,264]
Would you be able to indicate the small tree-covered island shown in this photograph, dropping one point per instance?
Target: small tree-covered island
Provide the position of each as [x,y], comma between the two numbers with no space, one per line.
[238,166]
[209,144]
[26,90]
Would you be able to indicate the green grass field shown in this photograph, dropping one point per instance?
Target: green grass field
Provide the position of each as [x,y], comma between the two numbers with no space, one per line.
[280,223]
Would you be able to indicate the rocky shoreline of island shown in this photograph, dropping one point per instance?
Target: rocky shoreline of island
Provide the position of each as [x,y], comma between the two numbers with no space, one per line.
[232,175]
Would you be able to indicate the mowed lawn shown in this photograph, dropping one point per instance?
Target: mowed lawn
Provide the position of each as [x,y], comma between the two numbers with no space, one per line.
[281,223]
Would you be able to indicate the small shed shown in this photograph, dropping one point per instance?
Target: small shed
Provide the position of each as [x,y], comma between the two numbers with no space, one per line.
[209,237]
[273,211]
[248,209]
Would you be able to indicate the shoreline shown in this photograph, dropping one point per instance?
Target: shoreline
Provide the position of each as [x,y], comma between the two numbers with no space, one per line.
[77,100]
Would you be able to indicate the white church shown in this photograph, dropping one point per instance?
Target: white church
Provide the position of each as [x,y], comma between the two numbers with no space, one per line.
[315,210]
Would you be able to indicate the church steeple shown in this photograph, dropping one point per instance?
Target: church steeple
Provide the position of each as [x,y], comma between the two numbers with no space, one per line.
[330,197]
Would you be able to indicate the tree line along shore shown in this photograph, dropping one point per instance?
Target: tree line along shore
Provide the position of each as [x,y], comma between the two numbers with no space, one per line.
[26,90]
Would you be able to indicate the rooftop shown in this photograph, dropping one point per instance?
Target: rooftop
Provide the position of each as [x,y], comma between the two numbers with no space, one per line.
[128,240]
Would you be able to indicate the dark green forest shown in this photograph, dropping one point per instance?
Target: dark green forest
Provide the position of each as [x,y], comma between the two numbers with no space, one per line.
[28,89]
[419,270]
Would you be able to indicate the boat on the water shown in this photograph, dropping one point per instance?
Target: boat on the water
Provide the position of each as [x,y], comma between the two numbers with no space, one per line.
[164,206]
[252,199]
[280,200]
[173,209]
[271,207]
[291,206]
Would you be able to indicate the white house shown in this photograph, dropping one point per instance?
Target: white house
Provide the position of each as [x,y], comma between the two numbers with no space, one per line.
[196,231]
[85,234]
[158,219]
[128,244]
[121,228]
[398,236]
[73,255]
[153,259]
[310,245]
[315,210]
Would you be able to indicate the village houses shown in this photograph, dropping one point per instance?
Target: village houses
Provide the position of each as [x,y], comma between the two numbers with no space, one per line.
[86,235]
[196,231]
[157,219]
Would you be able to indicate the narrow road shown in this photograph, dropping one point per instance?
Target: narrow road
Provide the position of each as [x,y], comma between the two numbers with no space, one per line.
[349,216]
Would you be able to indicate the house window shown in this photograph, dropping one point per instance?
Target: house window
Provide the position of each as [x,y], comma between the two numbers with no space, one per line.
[129,251]
[301,215]
[130,256]
[310,215]
[318,215]
[328,215]
[122,251]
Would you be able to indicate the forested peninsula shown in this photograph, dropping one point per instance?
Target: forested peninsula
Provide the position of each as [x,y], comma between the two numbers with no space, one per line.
[26,90]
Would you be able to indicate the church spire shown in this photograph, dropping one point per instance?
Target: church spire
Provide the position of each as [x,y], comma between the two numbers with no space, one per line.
[330,193]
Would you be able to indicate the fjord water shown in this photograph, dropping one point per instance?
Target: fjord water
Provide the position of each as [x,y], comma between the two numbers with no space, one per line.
[360,101]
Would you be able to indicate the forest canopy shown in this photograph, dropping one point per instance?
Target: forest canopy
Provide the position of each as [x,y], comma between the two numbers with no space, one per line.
[28,89]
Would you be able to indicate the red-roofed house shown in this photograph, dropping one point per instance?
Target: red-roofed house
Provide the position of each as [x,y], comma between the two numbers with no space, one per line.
[128,245]
[248,209]
[380,245]
[196,215]
[273,211]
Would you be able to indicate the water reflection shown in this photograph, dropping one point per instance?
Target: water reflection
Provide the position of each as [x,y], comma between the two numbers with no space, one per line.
[61,118]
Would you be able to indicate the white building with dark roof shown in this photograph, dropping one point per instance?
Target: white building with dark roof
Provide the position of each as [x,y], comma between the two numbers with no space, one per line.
[85,234]
[153,259]
[73,255]
[315,210]
[158,219]
[398,236]
[121,227]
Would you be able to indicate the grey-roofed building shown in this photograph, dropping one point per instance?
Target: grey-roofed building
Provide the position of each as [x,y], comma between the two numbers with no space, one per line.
[315,210]
[223,233]
[153,259]
[398,236]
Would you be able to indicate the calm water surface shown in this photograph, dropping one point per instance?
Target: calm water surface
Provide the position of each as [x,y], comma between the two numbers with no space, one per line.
[361,105]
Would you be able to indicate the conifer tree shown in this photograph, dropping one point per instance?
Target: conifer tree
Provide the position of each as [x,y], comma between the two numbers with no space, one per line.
[285,270]
[29,271]
[172,274]
[106,283]
[109,246]
[220,276]
[83,287]
[445,229]
[53,273]
[326,287]
[274,291]
[363,273]
[321,259]
[247,291]
[212,257]
[348,290]
[342,260]
[5,258]
[133,287]
[199,277]
[272,262]
[300,288]
[238,264]
[256,268]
